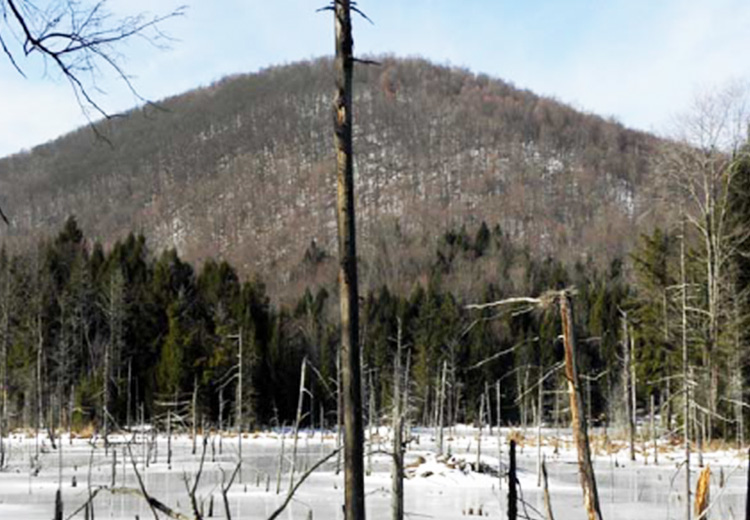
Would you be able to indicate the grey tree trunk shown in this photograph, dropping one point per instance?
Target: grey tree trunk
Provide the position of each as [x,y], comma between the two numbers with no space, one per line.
[354,487]
[488,398]
[499,438]
[300,402]
[539,415]
[240,394]
[441,415]
[40,383]
[653,432]
[685,378]
[627,383]
[397,470]
[4,365]
[169,437]
[195,413]
[130,380]
[633,390]
[479,435]
[281,462]
[370,420]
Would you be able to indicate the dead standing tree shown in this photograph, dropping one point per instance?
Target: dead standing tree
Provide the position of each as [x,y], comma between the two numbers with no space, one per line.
[697,166]
[354,486]
[397,470]
[578,415]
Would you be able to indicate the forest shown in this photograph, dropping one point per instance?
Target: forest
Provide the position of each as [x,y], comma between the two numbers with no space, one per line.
[521,264]
[129,331]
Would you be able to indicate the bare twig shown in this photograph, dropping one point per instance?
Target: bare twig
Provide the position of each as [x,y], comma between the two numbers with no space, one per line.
[309,472]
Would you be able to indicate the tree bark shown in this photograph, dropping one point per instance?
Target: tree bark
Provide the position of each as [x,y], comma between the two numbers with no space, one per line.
[653,432]
[580,433]
[441,409]
[300,402]
[539,414]
[354,492]
[627,383]
[195,413]
[240,370]
[479,435]
[685,378]
[547,501]
[512,482]
[499,438]
[397,472]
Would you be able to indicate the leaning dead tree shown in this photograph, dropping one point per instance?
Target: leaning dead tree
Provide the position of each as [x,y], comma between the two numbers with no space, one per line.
[580,428]
[577,408]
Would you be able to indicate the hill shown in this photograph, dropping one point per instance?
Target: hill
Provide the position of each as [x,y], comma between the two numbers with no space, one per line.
[243,170]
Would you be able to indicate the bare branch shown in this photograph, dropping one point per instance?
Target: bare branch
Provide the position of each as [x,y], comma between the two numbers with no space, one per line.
[304,476]
[78,40]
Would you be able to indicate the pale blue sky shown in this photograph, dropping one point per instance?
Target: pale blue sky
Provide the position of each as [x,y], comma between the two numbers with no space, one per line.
[637,60]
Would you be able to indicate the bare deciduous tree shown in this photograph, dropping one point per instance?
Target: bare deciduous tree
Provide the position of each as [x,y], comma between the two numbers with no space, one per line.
[697,167]
[79,39]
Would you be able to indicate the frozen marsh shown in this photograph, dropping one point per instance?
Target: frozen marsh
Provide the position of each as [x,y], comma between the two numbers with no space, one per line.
[438,488]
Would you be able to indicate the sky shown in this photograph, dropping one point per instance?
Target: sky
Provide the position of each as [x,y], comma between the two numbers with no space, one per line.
[639,61]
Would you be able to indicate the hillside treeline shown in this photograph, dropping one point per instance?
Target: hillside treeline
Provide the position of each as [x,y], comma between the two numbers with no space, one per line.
[81,324]
[72,312]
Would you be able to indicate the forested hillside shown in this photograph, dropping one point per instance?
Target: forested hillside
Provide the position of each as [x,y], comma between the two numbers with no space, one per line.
[214,218]
[74,316]
[242,170]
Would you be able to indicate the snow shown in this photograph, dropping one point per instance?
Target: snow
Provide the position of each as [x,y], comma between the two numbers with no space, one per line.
[438,487]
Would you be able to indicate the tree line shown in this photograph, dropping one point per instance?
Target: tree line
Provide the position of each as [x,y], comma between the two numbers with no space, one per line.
[123,333]
[126,332]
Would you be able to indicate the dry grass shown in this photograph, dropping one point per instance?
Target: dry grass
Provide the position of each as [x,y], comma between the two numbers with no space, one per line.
[519,437]
[85,431]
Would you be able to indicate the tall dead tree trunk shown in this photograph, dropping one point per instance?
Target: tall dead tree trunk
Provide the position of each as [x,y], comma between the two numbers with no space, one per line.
[397,472]
[370,420]
[354,488]
[499,437]
[685,378]
[479,434]
[240,394]
[194,410]
[4,365]
[585,467]
[627,383]
[512,483]
[297,421]
[653,430]
[39,382]
[539,416]
[441,408]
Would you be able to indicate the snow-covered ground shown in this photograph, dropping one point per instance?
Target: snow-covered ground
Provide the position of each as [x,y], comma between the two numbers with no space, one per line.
[437,487]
